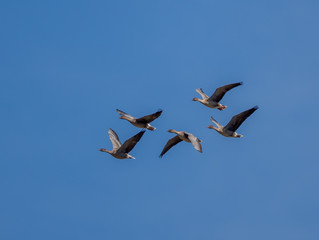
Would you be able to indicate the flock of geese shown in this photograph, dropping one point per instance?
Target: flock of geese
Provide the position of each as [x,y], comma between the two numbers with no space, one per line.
[121,151]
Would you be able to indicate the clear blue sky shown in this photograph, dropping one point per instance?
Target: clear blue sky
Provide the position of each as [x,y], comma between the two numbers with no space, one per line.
[67,65]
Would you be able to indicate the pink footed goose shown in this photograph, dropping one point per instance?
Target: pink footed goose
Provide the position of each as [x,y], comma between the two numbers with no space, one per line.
[120,151]
[143,122]
[182,136]
[230,129]
[213,101]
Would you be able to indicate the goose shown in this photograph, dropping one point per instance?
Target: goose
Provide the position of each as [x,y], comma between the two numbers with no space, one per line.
[142,122]
[230,129]
[182,136]
[120,151]
[213,101]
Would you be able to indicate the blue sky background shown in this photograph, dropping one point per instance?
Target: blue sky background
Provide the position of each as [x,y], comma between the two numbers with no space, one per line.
[67,65]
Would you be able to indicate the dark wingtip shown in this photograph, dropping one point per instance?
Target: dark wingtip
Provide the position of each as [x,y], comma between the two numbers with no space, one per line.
[159,112]
[256,107]
[241,83]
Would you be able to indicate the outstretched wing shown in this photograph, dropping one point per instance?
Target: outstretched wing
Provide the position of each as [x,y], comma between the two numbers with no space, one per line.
[114,139]
[172,142]
[149,118]
[195,141]
[238,119]
[220,92]
[214,121]
[200,91]
[124,114]
[129,144]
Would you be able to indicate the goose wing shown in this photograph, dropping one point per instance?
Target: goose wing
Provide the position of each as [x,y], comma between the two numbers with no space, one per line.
[238,119]
[214,121]
[114,139]
[124,114]
[150,118]
[129,144]
[200,91]
[172,142]
[195,141]
[220,92]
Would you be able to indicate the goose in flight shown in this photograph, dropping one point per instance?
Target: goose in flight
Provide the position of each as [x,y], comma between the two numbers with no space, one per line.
[182,136]
[230,129]
[142,122]
[119,150]
[213,101]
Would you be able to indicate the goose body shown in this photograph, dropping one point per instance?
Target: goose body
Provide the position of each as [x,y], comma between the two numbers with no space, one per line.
[213,101]
[121,151]
[182,136]
[143,122]
[230,129]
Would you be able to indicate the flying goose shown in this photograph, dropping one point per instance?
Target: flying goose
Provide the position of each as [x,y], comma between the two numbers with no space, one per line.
[142,122]
[121,151]
[213,101]
[182,136]
[230,129]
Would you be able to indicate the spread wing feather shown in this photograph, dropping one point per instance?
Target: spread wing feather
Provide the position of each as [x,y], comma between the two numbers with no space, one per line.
[172,142]
[150,118]
[124,114]
[200,91]
[114,139]
[238,119]
[129,144]
[196,142]
[221,91]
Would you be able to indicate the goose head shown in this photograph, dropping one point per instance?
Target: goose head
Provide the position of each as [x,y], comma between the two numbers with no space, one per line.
[104,150]
[171,131]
